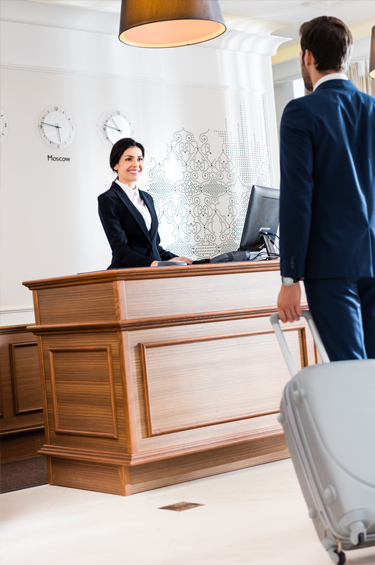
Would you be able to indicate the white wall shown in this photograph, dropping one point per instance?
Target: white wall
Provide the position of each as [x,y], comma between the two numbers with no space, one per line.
[286,73]
[49,221]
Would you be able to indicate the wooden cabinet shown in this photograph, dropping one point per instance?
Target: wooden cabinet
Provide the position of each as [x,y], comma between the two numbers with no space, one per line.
[158,376]
[21,416]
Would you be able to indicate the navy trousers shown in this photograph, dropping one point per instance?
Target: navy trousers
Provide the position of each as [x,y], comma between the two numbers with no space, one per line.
[344,313]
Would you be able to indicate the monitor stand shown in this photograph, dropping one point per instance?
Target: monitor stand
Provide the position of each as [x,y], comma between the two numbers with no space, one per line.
[239,255]
[272,252]
[265,252]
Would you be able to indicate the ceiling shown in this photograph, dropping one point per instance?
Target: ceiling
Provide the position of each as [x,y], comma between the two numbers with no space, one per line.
[278,17]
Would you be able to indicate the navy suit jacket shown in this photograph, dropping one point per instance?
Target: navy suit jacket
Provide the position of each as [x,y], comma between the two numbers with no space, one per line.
[131,243]
[327,191]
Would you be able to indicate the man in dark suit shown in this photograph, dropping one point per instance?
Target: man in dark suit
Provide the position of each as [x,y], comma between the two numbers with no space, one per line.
[327,199]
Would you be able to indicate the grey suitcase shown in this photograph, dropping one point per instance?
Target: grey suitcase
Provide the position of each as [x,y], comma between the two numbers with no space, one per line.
[328,415]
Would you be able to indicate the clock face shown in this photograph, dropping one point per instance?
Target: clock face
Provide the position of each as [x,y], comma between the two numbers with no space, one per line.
[4,125]
[113,126]
[56,127]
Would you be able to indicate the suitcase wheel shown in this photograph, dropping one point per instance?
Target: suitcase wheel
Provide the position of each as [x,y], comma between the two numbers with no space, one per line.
[339,558]
[361,540]
[342,558]
[357,533]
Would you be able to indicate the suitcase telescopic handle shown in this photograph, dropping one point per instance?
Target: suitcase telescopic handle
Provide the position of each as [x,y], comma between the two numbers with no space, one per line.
[284,347]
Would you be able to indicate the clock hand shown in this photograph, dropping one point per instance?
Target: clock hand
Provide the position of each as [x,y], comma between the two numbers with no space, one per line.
[120,130]
[58,132]
[45,123]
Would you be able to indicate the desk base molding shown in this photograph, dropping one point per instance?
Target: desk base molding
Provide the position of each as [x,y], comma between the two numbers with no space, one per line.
[134,459]
[127,475]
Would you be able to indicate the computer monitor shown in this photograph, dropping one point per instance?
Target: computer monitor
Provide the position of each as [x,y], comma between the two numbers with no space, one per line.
[262,213]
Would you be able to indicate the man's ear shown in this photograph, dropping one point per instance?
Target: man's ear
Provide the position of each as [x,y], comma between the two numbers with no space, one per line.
[308,58]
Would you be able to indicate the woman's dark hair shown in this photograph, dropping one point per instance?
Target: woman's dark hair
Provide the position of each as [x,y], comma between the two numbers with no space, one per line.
[119,148]
[329,41]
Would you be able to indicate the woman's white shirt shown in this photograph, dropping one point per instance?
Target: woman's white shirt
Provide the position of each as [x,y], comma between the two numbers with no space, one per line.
[135,198]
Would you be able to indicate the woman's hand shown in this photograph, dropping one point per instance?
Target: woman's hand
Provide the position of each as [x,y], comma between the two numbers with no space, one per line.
[188,261]
[185,259]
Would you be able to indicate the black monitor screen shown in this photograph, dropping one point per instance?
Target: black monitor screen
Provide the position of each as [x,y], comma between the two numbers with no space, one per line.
[262,212]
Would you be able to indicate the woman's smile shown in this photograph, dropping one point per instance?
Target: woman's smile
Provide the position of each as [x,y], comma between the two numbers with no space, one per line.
[130,166]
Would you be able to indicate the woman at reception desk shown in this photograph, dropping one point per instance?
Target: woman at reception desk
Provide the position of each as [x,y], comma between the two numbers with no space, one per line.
[128,214]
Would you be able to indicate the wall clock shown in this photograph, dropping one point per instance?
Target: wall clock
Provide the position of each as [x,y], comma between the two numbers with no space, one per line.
[114,125]
[4,125]
[56,127]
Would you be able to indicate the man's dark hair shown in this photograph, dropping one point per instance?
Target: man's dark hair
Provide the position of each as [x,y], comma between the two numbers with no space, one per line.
[119,148]
[329,41]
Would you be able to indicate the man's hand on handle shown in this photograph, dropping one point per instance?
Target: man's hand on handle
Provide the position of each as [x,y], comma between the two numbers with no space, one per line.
[289,303]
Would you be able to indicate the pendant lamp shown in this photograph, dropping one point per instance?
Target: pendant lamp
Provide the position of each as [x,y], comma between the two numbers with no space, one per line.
[372,54]
[169,23]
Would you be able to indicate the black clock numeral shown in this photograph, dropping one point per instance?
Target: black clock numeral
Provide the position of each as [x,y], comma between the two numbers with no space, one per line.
[56,108]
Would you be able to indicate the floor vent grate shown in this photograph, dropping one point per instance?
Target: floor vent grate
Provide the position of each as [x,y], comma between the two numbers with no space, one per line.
[181,506]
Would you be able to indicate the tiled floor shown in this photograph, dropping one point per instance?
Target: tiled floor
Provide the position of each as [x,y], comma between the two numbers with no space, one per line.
[255,516]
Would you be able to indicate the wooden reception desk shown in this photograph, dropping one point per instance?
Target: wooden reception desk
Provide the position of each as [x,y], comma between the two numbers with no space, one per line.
[156,376]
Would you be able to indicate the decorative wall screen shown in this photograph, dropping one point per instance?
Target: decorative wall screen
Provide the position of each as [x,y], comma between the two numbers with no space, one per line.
[201,187]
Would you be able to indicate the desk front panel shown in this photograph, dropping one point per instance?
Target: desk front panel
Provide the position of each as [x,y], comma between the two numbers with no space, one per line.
[206,293]
[207,382]
[85,391]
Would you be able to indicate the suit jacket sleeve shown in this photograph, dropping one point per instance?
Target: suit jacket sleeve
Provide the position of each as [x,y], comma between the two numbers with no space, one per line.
[116,235]
[296,189]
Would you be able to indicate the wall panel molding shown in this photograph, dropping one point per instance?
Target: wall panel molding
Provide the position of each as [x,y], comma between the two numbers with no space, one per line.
[15,310]
[21,432]
[25,377]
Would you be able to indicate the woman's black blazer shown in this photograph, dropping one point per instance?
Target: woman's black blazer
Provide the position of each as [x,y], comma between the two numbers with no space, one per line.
[131,243]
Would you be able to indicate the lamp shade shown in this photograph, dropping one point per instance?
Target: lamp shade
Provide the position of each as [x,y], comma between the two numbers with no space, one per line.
[372,54]
[169,23]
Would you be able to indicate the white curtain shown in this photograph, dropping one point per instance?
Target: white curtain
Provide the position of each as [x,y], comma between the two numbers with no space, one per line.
[358,73]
